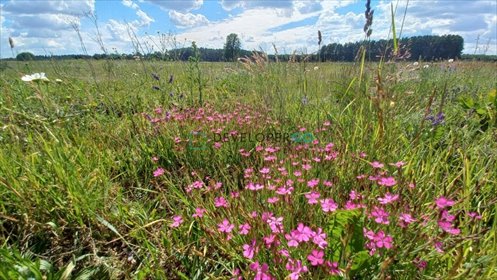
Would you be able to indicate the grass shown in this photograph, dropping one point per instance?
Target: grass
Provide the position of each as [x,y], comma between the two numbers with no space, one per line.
[79,198]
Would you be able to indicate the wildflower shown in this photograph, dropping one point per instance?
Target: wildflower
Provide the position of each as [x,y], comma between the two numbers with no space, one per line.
[273,200]
[312,197]
[276,224]
[333,266]
[220,202]
[388,198]
[177,221]
[328,205]
[439,246]
[296,268]
[312,183]
[225,226]
[35,77]
[159,172]
[380,215]
[199,213]
[264,170]
[383,240]
[316,257]
[405,219]
[387,181]
[292,240]
[376,164]
[58,81]
[303,233]
[442,202]
[319,238]
[270,240]
[474,215]
[398,164]
[244,228]
[426,66]
[249,250]
[254,187]
[261,271]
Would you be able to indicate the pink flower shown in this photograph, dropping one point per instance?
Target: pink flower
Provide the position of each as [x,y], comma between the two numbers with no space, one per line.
[398,164]
[328,183]
[312,197]
[333,266]
[383,240]
[261,271]
[312,183]
[273,199]
[270,240]
[254,187]
[380,215]
[387,181]
[443,202]
[376,164]
[405,219]
[249,250]
[388,198]
[328,205]
[159,172]
[225,226]
[296,268]
[303,233]
[177,221]
[439,247]
[448,227]
[220,202]
[319,238]
[306,166]
[244,229]
[292,240]
[474,215]
[316,257]
[264,170]
[276,224]
[199,213]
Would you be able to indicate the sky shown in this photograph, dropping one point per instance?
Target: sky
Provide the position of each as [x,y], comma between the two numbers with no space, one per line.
[124,26]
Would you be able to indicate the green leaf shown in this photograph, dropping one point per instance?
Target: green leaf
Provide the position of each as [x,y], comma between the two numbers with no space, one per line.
[395,43]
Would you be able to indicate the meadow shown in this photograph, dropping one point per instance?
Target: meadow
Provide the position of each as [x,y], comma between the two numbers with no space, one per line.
[248,170]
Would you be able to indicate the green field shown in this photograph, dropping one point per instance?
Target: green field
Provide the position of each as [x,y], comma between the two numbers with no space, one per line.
[243,170]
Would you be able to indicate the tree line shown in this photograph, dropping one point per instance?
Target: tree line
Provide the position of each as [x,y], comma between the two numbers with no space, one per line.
[427,48]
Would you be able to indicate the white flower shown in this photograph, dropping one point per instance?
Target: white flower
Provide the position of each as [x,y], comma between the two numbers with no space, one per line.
[415,63]
[35,77]
[426,66]
[316,68]
[450,60]
[58,80]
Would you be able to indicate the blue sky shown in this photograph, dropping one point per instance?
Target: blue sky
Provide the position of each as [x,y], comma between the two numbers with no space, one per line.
[47,27]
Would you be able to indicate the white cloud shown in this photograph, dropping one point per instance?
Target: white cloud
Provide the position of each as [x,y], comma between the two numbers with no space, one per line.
[250,4]
[253,26]
[178,5]
[20,7]
[145,19]
[187,20]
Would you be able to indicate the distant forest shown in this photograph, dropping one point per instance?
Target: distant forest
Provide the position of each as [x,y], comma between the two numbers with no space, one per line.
[426,48]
